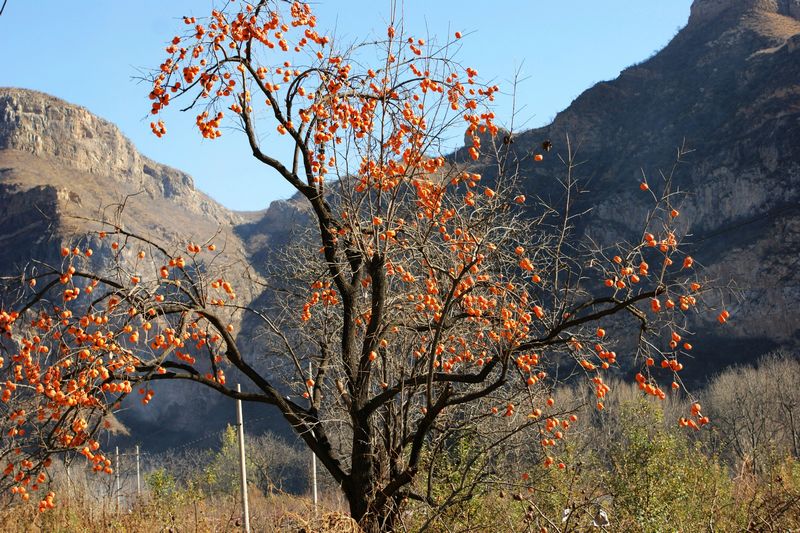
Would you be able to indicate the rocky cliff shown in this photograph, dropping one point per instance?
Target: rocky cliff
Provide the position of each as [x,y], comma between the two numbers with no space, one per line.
[727,88]
[62,169]
[47,128]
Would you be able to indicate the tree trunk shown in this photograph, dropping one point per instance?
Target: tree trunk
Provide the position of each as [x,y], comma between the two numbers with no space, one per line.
[366,477]
[370,519]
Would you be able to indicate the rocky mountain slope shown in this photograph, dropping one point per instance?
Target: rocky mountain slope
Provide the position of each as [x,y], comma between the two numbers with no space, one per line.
[58,162]
[62,169]
[727,87]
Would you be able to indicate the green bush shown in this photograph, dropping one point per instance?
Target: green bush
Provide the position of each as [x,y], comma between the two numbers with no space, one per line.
[161,484]
[659,482]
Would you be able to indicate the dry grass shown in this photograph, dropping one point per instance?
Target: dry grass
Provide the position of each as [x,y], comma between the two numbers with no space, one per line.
[271,513]
[775,25]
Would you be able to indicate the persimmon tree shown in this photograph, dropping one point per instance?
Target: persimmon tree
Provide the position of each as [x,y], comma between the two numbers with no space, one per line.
[429,293]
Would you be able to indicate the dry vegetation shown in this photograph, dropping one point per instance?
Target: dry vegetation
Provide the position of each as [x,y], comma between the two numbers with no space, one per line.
[629,465]
[278,512]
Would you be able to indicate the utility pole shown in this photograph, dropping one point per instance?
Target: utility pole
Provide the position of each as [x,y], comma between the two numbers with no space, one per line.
[138,479]
[313,456]
[116,475]
[242,465]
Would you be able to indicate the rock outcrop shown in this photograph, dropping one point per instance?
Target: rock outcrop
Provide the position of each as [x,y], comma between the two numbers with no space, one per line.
[48,128]
[710,10]
[62,172]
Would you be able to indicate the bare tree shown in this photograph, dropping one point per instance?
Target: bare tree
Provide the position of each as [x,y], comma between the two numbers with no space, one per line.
[756,411]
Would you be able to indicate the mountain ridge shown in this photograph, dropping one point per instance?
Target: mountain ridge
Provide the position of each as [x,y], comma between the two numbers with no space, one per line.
[726,88]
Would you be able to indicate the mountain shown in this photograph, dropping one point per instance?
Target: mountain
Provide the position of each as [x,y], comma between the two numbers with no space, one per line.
[62,169]
[726,87]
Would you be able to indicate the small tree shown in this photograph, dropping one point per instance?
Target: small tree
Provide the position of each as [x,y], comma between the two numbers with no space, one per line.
[657,481]
[221,476]
[161,484]
[430,294]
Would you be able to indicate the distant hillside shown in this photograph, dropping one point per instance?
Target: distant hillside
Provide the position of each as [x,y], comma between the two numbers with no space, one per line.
[62,167]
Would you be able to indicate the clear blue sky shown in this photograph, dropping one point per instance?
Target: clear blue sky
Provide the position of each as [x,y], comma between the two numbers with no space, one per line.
[88,52]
